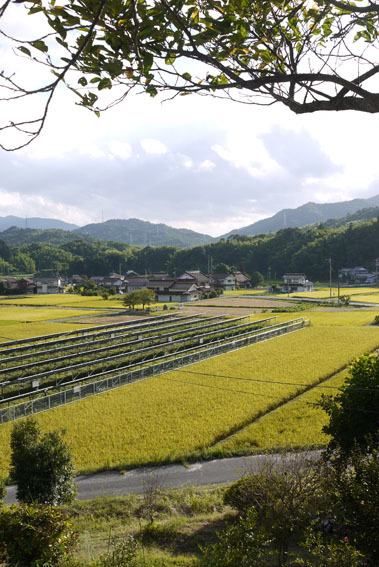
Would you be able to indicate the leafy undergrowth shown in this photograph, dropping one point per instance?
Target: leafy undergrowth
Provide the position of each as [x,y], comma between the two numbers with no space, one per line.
[169,524]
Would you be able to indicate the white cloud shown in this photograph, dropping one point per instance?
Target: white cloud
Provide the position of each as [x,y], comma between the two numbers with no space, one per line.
[207,165]
[153,146]
[119,149]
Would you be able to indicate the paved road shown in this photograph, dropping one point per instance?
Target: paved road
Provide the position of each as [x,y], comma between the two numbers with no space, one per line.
[220,471]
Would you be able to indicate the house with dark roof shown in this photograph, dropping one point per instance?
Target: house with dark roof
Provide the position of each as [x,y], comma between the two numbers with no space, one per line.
[295,283]
[20,285]
[226,282]
[53,284]
[356,275]
[242,281]
[196,276]
[180,291]
[135,284]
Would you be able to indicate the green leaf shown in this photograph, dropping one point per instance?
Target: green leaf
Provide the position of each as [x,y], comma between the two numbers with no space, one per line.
[83,81]
[187,76]
[104,84]
[170,60]
[148,61]
[40,45]
[24,50]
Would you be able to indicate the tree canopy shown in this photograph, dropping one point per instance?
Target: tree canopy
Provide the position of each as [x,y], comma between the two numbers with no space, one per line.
[353,413]
[309,56]
[41,465]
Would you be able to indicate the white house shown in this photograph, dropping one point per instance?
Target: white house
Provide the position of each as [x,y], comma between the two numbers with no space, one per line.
[225,281]
[178,291]
[295,283]
[53,284]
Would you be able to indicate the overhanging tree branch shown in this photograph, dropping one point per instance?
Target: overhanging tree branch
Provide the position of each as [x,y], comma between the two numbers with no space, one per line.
[310,58]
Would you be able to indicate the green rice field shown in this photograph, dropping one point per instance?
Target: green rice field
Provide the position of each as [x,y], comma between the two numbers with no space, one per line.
[324,293]
[65,300]
[247,400]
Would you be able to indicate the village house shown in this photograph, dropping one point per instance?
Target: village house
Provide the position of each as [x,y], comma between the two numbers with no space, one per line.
[295,283]
[354,275]
[242,281]
[53,284]
[179,291]
[135,284]
[202,281]
[227,282]
[19,286]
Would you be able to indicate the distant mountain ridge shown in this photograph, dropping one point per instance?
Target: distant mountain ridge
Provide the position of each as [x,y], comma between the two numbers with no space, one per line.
[17,231]
[304,215]
[35,223]
[143,233]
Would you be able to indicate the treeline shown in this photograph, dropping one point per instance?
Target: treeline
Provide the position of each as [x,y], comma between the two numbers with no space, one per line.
[288,250]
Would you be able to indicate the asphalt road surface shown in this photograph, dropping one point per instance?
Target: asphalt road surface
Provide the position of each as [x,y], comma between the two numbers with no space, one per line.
[220,471]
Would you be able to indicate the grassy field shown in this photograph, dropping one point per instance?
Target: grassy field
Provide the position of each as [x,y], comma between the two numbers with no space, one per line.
[369,298]
[324,293]
[184,519]
[65,300]
[24,330]
[288,426]
[259,291]
[183,414]
[73,300]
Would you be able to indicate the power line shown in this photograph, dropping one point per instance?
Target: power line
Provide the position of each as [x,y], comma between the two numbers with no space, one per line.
[285,401]
[278,382]
[221,388]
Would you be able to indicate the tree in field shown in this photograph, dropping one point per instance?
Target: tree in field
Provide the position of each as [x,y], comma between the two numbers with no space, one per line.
[256,279]
[146,297]
[41,465]
[353,413]
[310,56]
[130,300]
[140,297]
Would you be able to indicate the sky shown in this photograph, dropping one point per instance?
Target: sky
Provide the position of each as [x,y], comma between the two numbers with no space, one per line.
[192,162]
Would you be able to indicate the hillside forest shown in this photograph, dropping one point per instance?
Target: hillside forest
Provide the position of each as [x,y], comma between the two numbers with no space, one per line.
[305,250]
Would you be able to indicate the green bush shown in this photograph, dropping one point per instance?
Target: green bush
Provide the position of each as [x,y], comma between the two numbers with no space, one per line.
[353,413]
[240,545]
[326,552]
[3,489]
[41,465]
[353,484]
[286,495]
[121,553]
[34,536]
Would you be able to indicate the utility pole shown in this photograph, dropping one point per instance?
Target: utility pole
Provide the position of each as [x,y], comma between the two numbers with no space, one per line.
[338,277]
[330,277]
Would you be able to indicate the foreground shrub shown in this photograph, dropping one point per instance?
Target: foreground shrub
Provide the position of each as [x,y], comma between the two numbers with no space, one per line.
[34,536]
[121,553]
[353,413]
[241,545]
[353,484]
[41,465]
[329,553]
[285,495]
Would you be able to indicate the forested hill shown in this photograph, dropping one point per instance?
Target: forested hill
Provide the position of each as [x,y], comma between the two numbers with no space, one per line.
[309,213]
[143,233]
[19,236]
[291,249]
[34,222]
[361,215]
